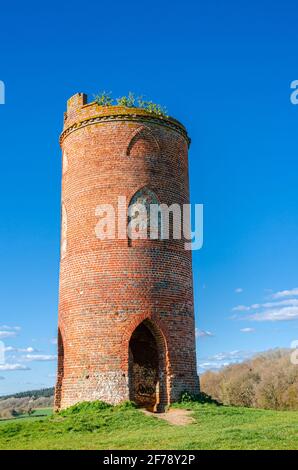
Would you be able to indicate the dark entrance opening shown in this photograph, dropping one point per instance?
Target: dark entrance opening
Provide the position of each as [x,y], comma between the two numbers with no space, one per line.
[60,372]
[144,368]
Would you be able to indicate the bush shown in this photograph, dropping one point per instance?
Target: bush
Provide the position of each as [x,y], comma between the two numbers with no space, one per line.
[128,101]
[104,99]
[6,413]
[152,107]
[127,405]
[201,397]
[85,406]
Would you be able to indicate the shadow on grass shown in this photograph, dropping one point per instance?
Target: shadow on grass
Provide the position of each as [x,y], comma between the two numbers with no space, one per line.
[15,418]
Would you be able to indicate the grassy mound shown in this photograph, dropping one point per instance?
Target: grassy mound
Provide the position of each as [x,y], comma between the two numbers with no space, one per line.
[100,426]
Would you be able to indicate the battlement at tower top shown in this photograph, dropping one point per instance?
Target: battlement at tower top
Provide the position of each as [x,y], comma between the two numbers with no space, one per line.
[80,113]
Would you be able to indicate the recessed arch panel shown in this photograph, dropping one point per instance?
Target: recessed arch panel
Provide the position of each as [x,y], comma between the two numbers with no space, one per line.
[143,143]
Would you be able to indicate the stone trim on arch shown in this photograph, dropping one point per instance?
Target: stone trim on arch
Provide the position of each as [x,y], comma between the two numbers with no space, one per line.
[145,133]
[143,187]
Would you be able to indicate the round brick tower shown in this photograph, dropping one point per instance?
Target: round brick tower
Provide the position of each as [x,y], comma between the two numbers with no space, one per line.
[126,317]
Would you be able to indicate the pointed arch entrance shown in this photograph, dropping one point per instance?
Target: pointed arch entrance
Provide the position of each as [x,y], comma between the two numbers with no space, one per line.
[60,372]
[147,367]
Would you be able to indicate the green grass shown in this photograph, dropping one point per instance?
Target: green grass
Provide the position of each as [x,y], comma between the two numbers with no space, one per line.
[37,413]
[100,426]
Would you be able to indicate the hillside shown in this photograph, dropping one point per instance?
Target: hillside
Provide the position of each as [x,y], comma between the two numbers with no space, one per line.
[267,381]
[20,403]
[42,392]
[101,426]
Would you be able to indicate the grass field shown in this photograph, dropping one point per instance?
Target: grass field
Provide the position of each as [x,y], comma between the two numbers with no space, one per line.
[38,413]
[100,426]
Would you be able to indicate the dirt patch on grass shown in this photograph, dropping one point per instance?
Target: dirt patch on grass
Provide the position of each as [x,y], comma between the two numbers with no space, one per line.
[177,417]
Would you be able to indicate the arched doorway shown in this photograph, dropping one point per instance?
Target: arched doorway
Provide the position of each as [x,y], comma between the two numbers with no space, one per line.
[147,375]
[60,372]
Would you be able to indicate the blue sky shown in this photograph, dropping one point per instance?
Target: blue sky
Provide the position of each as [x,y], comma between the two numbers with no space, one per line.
[224,69]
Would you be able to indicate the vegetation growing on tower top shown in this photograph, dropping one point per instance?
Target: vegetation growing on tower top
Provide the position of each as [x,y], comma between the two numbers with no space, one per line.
[130,101]
[104,99]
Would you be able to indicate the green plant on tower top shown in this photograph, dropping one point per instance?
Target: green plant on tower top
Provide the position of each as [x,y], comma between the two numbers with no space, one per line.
[130,101]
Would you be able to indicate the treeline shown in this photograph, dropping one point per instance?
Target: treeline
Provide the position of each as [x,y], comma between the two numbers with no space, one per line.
[13,407]
[268,380]
[43,392]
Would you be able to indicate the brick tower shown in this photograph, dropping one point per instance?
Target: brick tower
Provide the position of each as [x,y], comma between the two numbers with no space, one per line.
[126,317]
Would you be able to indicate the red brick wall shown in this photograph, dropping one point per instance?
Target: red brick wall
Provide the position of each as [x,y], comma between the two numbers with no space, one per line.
[107,288]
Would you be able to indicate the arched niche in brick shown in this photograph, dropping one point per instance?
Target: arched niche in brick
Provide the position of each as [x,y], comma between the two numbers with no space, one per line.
[147,370]
[143,143]
[63,231]
[64,163]
[146,223]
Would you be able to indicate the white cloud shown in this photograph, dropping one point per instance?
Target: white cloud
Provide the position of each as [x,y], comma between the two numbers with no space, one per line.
[28,350]
[280,303]
[203,333]
[238,290]
[22,350]
[275,310]
[204,366]
[13,328]
[236,355]
[240,308]
[7,334]
[285,293]
[54,341]
[278,314]
[10,367]
[247,330]
[223,359]
[8,331]
[246,308]
[39,357]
